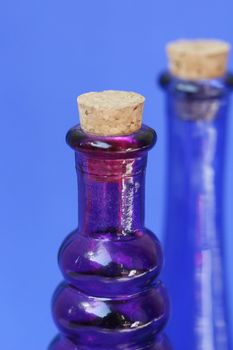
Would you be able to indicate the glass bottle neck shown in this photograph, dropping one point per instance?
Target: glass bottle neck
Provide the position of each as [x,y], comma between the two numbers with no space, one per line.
[111,194]
[197,112]
[196,162]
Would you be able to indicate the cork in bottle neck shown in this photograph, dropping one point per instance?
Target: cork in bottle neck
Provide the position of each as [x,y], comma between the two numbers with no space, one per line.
[110,113]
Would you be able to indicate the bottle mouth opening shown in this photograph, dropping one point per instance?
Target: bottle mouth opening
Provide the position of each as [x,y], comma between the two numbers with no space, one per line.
[203,89]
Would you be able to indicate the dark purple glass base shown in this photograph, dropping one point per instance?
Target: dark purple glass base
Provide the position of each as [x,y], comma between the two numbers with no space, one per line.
[160,342]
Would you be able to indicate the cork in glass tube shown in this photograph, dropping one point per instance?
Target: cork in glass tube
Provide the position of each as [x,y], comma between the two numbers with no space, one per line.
[198,87]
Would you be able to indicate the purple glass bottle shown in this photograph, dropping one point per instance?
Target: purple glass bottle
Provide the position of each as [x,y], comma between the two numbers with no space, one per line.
[110,298]
[194,233]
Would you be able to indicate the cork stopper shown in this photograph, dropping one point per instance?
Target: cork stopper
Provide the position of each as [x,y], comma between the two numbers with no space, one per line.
[110,113]
[198,59]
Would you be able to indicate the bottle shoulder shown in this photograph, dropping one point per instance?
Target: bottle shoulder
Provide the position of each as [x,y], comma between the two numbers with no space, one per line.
[92,264]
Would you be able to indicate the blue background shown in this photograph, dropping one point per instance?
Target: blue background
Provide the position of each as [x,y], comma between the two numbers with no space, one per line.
[51,51]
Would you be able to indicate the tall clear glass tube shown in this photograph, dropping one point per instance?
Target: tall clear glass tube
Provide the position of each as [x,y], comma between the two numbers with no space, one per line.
[194,230]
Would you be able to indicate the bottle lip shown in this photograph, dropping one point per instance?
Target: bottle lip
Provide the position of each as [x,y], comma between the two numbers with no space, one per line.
[142,140]
[197,89]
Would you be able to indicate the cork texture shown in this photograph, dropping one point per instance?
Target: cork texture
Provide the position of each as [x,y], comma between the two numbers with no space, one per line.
[110,113]
[198,59]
